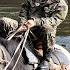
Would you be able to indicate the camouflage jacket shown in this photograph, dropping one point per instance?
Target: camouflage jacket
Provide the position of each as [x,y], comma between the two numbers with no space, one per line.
[48,13]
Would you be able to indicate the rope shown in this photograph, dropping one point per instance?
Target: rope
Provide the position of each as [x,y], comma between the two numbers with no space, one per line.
[12,35]
[22,41]
[26,34]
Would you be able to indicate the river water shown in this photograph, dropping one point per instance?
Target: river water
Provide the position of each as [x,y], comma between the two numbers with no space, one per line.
[64,41]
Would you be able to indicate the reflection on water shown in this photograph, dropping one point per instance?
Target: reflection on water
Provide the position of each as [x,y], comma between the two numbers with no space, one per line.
[64,40]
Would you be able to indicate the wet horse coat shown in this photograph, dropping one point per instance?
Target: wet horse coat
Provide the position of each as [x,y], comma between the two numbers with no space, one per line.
[59,55]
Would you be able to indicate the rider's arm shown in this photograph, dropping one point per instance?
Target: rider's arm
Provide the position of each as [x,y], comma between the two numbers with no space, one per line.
[57,16]
[26,21]
[23,12]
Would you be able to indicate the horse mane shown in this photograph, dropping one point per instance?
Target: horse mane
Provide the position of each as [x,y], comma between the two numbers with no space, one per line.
[40,34]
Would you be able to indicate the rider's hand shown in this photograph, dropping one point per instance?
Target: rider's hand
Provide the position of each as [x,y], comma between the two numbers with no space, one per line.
[30,23]
[26,25]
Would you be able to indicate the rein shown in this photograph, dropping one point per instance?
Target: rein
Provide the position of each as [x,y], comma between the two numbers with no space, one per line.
[22,42]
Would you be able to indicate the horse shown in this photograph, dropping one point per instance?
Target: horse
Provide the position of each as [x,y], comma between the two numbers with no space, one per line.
[59,56]
[10,50]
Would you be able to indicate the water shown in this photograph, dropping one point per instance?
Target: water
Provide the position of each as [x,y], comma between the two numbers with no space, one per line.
[64,41]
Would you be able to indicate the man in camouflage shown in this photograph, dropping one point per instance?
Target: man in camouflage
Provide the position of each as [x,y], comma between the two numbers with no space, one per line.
[46,13]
